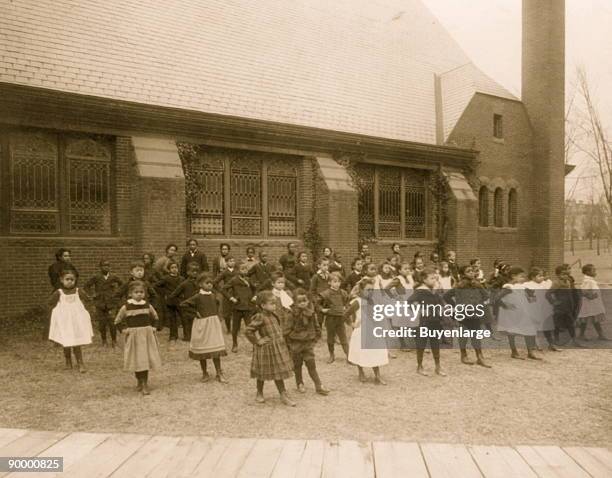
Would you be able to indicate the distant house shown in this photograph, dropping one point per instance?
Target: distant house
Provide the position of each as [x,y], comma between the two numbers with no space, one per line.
[343,114]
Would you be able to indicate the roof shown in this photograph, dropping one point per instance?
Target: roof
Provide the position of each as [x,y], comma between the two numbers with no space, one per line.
[458,87]
[356,66]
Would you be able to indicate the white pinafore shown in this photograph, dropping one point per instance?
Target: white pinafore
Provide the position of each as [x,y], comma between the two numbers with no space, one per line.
[70,322]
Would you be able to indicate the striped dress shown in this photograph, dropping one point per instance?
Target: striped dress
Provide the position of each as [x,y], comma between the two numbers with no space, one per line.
[138,320]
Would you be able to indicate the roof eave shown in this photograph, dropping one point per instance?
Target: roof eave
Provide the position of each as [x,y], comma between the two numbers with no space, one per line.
[29,106]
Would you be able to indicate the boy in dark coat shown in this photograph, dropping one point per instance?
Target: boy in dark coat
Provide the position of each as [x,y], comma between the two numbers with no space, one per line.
[186,290]
[193,255]
[240,292]
[302,331]
[333,305]
[261,273]
[165,287]
[103,288]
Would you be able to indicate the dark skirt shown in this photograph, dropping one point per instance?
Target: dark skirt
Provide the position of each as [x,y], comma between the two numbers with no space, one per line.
[271,361]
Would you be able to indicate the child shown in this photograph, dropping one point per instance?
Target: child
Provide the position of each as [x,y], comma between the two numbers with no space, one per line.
[137,319]
[318,284]
[104,287]
[333,305]
[476,266]
[320,281]
[386,276]
[302,331]
[336,265]
[591,307]
[405,277]
[137,273]
[445,279]
[221,280]
[250,260]
[283,297]
[207,336]
[394,261]
[565,300]
[364,357]
[70,322]
[541,309]
[260,274]
[165,287]
[186,289]
[302,272]
[271,360]
[514,316]
[469,292]
[148,260]
[355,276]
[426,295]
[240,293]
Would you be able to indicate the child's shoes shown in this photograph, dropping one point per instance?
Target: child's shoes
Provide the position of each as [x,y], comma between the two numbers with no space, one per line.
[259,398]
[285,400]
[322,391]
[221,378]
[205,377]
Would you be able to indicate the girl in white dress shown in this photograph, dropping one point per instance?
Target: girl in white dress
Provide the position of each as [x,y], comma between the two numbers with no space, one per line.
[514,314]
[541,309]
[70,323]
[364,357]
[591,306]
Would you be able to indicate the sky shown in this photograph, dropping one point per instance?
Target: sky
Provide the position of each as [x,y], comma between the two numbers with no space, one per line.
[490,33]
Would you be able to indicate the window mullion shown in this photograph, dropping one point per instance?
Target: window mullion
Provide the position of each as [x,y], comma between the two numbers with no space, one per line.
[64,186]
[403,205]
[264,199]
[376,203]
[227,213]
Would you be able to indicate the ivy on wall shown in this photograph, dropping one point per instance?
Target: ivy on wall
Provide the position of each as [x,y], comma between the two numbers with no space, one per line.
[188,153]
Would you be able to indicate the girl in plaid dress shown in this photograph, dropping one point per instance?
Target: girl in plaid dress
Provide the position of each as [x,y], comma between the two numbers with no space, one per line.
[271,360]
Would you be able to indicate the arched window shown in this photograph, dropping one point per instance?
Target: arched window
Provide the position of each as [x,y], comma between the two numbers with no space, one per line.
[512,209]
[498,208]
[483,207]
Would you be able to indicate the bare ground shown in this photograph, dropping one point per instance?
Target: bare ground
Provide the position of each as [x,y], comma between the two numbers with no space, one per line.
[565,399]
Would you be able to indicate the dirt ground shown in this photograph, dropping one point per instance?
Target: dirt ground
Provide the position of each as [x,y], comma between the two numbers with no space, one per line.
[565,399]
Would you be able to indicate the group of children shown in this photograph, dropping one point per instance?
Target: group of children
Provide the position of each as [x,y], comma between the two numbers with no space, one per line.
[285,306]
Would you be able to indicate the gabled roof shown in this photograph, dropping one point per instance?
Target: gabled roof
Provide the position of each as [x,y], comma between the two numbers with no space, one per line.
[458,87]
[358,66]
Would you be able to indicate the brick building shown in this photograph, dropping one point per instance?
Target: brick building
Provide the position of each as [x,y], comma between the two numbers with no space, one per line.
[345,115]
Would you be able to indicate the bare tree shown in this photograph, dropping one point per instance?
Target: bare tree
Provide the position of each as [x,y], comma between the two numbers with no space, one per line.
[591,137]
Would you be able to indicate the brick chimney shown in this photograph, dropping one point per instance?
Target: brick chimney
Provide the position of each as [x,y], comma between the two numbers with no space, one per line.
[543,94]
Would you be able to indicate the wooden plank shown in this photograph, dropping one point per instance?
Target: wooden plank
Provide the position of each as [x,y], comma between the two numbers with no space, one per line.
[147,457]
[311,463]
[179,453]
[596,461]
[233,458]
[31,444]
[395,459]
[289,459]
[501,462]
[184,458]
[331,460]
[355,459]
[209,462]
[7,435]
[551,461]
[108,456]
[72,448]
[261,461]
[445,461]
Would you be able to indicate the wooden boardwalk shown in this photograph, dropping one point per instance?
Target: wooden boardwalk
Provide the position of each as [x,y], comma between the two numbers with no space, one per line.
[101,455]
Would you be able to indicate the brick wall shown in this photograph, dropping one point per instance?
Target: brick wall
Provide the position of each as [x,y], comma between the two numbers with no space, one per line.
[336,208]
[24,260]
[504,162]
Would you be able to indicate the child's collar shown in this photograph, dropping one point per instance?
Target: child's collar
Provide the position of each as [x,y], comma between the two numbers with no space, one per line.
[205,292]
[136,302]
